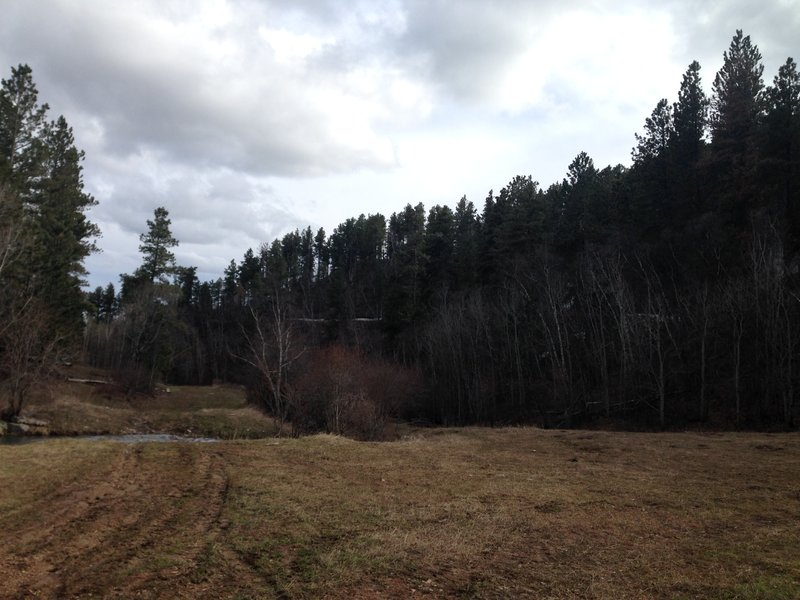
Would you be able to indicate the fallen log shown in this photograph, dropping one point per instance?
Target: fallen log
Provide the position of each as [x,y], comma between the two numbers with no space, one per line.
[90,381]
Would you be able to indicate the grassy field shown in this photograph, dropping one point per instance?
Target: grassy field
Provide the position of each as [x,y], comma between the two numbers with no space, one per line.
[472,513]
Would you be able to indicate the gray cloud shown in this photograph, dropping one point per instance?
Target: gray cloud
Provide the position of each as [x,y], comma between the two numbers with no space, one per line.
[247,118]
[465,50]
[220,101]
[705,29]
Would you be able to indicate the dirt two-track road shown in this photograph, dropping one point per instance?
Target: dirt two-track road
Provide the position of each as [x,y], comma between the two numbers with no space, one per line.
[138,523]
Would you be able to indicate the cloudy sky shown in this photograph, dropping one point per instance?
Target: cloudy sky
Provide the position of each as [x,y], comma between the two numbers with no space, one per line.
[249,118]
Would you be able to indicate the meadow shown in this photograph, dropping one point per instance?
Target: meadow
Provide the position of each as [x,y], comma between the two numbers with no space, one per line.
[470,513]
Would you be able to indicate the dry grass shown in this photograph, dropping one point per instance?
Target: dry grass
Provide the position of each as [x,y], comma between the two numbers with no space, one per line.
[450,513]
[219,411]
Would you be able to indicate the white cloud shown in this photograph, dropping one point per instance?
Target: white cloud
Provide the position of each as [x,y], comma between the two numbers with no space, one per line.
[292,49]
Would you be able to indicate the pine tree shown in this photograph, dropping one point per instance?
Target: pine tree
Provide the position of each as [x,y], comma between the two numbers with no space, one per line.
[577,191]
[230,283]
[690,118]
[780,149]
[736,108]
[22,128]
[438,247]
[653,170]
[155,246]
[465,245]
[103,303]
[406,264]
[690,122]
[95,301]
[64,234]
[658,135]
[186,280]
[521,212]
[110,304]
[249,273]
[737,95]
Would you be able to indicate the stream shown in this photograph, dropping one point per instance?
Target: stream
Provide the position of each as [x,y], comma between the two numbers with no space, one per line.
[131,438]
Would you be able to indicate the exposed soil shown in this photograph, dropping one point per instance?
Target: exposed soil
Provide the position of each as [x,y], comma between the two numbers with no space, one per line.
[97,535]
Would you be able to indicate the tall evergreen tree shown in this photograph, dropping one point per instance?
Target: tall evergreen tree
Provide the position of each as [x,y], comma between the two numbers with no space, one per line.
[577,191]
[690,122]
[737,94]
[522,219]
[690,118]
[110,302]
[186,280]
[159,261]
[406,264]
[653,172]
[230,283]
[249,274]
[438,248]
[736,108]
[64,233]
[466,238]
[780,148]
[22,130]
[658,134]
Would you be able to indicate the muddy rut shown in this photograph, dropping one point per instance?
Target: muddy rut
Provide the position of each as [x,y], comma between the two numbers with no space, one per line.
[147,526]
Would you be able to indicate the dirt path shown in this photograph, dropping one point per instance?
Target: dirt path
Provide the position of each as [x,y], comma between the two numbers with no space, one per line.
[145,526]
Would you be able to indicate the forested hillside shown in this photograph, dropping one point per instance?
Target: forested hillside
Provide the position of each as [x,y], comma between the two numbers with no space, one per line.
[662,294]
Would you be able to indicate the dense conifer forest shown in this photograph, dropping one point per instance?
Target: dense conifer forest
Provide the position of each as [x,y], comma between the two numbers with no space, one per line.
[664,294]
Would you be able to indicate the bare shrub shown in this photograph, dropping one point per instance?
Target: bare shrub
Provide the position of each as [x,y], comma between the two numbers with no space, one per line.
[27,352]
[133,379]
[339,390]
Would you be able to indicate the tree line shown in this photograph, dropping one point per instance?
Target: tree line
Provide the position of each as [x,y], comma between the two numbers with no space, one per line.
[661,294]
[665,292]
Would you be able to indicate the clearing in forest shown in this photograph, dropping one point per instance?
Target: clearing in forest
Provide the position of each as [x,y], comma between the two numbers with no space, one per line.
[504,513]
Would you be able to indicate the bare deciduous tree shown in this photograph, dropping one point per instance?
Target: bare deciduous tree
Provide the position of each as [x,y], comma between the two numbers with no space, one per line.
[270,351]
[657,324]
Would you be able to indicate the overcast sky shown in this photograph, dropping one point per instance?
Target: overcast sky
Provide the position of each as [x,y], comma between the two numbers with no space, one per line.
[247,119]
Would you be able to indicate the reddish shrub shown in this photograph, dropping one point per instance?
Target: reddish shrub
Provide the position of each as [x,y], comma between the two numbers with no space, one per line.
[342,391]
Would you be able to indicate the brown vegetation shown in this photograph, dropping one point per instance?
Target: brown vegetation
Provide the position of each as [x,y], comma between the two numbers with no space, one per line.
[341,391]
[75,408]
[508,513]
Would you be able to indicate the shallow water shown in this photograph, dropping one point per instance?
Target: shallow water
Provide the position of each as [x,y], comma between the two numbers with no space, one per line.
[131,438]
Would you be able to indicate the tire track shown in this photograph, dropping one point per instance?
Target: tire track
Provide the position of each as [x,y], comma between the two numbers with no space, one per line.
[129,530]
